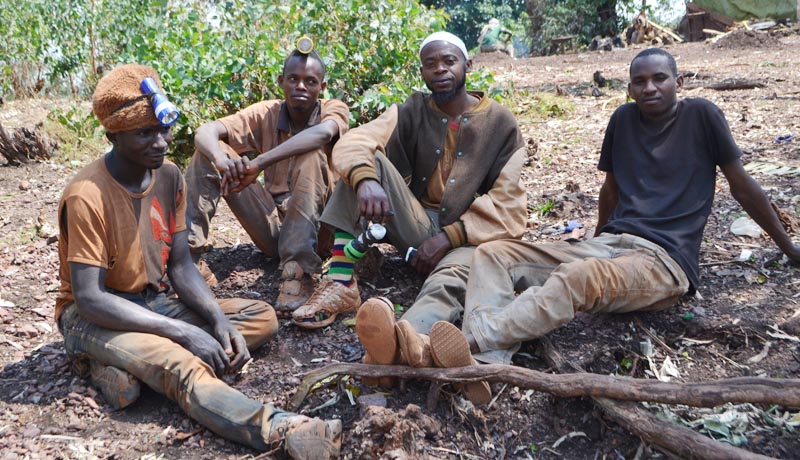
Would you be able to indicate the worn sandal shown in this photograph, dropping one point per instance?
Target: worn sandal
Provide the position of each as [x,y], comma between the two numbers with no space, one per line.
[330,299]
[449,348]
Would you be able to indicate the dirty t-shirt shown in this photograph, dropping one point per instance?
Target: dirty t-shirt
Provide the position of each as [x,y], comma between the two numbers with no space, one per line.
[666,175]
[127,234]
[265,125]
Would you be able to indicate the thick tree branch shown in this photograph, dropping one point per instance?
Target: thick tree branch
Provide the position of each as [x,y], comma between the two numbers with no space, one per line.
[709,394]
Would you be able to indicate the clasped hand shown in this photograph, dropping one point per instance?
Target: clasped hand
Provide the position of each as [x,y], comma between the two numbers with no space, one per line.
[237,173]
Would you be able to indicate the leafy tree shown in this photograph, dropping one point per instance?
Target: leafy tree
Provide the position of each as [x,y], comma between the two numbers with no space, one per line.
[217,56]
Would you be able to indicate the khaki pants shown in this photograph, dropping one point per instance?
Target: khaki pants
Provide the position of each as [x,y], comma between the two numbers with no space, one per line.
[442,295]
[175,372]
[606,274]
[285,226]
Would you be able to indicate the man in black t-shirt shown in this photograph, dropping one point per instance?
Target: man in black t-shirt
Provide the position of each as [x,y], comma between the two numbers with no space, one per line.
[660,157]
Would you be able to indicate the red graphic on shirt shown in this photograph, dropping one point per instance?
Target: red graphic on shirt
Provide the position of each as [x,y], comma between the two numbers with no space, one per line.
[163,227]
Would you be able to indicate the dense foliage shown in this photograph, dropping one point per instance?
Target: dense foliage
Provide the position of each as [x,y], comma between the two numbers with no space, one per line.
[215,57]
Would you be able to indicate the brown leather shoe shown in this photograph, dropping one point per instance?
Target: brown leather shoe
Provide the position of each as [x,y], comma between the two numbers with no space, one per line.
[449,348]
[330,299]
[296,287]
[119,388]
[375,327]
[415,348]
[306,438]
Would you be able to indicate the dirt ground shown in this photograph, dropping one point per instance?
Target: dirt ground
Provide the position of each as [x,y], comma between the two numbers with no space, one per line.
[731,329]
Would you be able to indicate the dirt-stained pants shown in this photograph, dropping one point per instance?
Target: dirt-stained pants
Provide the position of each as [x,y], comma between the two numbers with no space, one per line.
[288,230]
[442,295]
[172,370]
[606,274]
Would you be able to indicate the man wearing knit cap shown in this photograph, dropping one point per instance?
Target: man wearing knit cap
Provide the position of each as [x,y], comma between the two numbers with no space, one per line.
[292,139]
[123,252]
[442,171]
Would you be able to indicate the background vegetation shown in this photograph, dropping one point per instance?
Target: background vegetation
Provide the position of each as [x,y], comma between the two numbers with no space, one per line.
[217,56]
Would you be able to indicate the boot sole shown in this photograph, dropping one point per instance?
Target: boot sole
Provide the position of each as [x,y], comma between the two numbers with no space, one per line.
[449,348]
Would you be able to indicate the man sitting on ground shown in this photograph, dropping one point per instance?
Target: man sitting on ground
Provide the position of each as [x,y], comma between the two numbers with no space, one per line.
[442,170]
[293,139]
[660,156]
[123,251]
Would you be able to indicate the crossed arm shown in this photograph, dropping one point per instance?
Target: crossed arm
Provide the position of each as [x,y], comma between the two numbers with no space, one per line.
[225,350]
[238,173]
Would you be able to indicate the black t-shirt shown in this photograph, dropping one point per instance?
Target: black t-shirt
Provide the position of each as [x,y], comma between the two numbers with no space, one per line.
[666,175]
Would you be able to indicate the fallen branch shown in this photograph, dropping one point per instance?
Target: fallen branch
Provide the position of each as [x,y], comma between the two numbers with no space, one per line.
[676,440]
[754,390]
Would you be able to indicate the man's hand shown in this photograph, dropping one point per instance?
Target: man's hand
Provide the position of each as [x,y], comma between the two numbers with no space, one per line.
[233,344]
[793,253]
[251,172]
[372,201]
[205,347]
[234,171]
[430,252]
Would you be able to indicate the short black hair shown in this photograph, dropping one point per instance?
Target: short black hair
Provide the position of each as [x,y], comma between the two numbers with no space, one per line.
[297,54]
[673,66]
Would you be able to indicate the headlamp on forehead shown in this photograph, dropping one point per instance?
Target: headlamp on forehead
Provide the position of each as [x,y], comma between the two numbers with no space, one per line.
[166,112]
[305,44]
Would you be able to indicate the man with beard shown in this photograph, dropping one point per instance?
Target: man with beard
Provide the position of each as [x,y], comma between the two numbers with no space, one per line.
[292,139]
[442,173]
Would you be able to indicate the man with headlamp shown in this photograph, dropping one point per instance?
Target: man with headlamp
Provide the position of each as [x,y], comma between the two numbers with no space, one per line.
[123,252]
[292,140]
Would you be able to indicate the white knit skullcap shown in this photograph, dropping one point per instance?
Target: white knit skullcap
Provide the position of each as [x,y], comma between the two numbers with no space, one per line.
[445,37]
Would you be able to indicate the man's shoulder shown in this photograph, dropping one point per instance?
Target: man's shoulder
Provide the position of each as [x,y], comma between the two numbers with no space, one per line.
[698,104]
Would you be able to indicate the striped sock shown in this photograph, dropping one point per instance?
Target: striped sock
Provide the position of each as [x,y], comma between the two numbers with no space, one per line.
[341,269]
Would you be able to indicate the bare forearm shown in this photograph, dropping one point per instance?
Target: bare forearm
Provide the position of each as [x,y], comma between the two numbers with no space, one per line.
[607,202]
[194,292]
[303,142]
[117,313]
[756,203]
[206,141]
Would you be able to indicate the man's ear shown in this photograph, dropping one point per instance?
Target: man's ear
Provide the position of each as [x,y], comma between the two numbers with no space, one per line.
[280,80]
[323,85]
[112,137]
[679,82]
[468,65]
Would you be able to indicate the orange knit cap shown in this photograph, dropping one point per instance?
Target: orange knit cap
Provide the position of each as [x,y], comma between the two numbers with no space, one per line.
[118,101]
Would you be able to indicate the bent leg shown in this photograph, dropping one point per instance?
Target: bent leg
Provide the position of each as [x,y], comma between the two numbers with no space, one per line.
[173,371]
[441,297]
[637,275]
[310,184]
[253,207]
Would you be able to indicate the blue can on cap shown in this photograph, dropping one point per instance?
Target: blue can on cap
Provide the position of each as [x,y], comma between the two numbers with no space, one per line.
[166,112]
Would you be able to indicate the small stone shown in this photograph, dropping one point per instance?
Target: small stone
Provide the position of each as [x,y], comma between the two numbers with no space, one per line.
[24,184]
[374,399]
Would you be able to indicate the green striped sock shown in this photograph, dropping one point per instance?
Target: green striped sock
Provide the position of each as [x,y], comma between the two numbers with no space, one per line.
[341,268]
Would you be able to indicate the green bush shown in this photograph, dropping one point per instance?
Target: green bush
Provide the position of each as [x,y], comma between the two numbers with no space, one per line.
[216,57]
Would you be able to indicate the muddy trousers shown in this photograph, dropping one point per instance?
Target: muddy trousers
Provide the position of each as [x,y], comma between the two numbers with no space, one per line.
[442,294]
[606,274]
[288,231]
[175,372]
